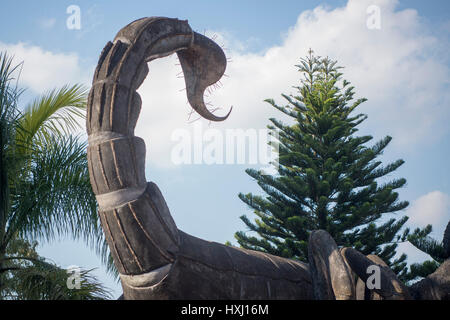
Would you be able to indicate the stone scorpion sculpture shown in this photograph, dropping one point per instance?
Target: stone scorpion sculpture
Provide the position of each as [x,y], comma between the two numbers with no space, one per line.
[154,258]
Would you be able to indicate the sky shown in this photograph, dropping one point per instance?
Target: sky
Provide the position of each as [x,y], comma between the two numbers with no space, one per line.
[395,53]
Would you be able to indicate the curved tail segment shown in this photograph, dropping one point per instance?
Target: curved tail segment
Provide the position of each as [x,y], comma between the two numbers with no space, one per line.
[138,226]
[203,65]
[155,259]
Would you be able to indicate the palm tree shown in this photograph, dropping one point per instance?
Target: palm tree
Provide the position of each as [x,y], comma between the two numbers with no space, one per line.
[44,182]
[32,277]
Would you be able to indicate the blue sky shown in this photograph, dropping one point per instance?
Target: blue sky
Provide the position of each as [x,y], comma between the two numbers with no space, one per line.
[402,68]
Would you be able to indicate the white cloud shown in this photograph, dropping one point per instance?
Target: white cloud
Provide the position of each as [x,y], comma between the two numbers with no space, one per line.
[432,208]
[44,70]
[398,68]
[164,108]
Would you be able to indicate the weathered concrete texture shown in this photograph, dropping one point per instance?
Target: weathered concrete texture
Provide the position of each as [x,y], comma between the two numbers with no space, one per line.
[364,293]
[390,289]
[330,275]
[434,287]
[446,240]
[203,65]
[209,270]
[353,276]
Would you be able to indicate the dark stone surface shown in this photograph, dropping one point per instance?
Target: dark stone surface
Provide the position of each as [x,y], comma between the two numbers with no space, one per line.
[330,275]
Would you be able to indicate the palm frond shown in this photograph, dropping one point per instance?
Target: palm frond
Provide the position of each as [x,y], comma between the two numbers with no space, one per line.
[55,113]
[9,74]
[26,275]
[44,181]
[57,198]
[9,115]
[47,281]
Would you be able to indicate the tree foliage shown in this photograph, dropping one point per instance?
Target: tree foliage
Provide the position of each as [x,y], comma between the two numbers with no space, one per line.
[45,190]
[32,277]
[438,251]
[328,177]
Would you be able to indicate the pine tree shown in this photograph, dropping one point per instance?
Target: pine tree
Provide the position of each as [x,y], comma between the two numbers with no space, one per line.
[328,178]
[438,251]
